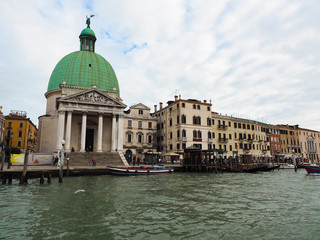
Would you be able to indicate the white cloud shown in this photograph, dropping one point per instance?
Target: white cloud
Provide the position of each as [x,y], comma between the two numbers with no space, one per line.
[255,58]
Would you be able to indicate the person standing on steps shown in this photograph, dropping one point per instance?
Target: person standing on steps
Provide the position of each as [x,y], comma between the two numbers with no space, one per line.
[134,160]
[94,162]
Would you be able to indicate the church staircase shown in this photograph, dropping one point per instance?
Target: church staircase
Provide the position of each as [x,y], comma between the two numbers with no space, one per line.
[103,159]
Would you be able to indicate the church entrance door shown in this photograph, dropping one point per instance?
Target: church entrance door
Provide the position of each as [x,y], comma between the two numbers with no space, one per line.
[89,140]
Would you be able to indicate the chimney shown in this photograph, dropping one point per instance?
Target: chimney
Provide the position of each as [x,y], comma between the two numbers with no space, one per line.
[175,98]
[205,101]
[155,108]
[179,96]
[160,105]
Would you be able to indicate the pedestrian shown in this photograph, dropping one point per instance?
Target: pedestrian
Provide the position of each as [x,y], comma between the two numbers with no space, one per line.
[134,160]
[138,161]
[94,162]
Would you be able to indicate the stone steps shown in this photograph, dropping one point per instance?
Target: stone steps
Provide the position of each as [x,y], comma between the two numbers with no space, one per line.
[103,159]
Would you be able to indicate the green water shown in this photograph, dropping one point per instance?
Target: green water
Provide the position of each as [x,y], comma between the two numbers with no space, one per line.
[275,205]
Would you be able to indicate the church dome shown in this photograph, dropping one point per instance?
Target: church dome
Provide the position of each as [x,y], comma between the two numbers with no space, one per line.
[84,68]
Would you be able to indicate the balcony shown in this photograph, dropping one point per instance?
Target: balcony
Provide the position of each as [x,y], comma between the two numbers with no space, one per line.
[210,140]
[222,127]
[184,139]
[223,140]
[197,139]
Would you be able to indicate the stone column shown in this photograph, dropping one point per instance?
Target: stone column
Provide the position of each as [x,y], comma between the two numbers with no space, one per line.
[100,130]
[113,133]
[83,132]
[60,129]
[120,133]
[68,131]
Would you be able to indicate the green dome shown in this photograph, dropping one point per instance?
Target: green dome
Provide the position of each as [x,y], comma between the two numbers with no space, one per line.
[87,31]
[84,69]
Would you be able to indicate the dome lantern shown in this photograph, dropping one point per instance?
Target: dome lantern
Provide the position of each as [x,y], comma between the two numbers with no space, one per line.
[87,37]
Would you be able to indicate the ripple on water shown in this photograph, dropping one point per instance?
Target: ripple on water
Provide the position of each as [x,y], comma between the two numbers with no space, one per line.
[275,205]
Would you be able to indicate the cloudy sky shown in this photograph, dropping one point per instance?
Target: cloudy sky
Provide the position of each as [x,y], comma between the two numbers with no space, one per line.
[252,59]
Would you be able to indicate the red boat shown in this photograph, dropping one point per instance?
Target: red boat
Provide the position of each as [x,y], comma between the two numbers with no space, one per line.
[312,169]
[127,171]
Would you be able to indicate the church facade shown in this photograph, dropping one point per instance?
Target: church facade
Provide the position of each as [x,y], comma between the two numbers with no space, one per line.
[84,110]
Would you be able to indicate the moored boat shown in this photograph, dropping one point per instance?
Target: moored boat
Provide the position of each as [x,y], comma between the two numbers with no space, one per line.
[312,169]
[127,171]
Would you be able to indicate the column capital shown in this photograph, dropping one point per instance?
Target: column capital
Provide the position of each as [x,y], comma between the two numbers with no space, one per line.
[84,112]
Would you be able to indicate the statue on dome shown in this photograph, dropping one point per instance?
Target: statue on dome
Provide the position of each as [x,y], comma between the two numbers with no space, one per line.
[88,21]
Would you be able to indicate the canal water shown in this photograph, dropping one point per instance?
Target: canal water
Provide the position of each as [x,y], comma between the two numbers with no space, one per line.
[274,205]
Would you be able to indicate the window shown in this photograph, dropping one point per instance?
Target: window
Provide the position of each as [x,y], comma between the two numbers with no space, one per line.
[243,126]
[178,119]
[230,148]
[170,121]
[194,106]
[19,143]
[213,135]
[20,134]
[235,125]
[194,134]
[140,124]
[170,146]
[198,107]
[199,134]
[184,119]
[209,134]
[149,139]
[208,108]
[149,124]
[170,135]
[178,146]
[239,125]
[183,145]
[140,112]
[129,123]
[177,105]
[212,121]
[208,121]
[129,137]
[184,133]
[235,135]
[197,120]
[21,125]
[213,146]
[139,138]
[230,136]
[183,105]
[178,133]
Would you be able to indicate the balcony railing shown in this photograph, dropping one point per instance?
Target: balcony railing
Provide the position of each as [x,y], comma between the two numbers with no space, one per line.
[222,127]
[184,139]
[223,140]
[210,140]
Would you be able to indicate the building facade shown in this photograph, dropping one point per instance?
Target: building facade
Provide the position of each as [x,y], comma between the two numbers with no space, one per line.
[2,127]
[181,124]
[310,145]
[275,144]
[20,132]
[289,139]
[140,134]
[84,108]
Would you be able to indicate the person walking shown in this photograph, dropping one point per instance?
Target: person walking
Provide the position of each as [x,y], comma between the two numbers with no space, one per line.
[94,162]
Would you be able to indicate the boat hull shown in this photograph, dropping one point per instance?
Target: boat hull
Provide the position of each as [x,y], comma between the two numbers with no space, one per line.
[312,170]
[130,171]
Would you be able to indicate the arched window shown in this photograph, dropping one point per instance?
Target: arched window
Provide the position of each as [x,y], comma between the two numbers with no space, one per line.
[140,137]
[129,137]
[199,134]
[195,134]
[184,133]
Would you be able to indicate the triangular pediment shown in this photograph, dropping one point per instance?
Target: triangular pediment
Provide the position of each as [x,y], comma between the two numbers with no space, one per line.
[92,96]
[140,106]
